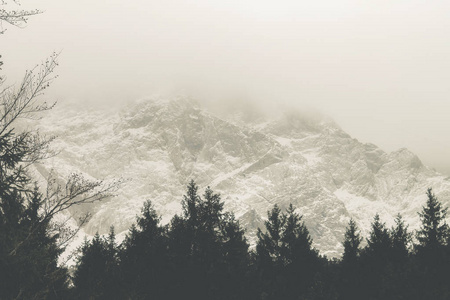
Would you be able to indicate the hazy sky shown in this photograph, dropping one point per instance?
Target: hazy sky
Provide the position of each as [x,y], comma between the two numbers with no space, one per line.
[380,68]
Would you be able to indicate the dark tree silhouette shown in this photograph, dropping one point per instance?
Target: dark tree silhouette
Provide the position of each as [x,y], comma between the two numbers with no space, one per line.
[432,260]
[97,269]
[434,231]
[144,259]
[398,284]
[207,248]
[203,254]
[375,260]
[350,279]
[286,263]
[401,241]
[300,260]
[268,254]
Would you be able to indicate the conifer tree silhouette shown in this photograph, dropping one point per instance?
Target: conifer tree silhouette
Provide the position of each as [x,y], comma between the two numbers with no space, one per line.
[144,258]
[432,258]
[349,281]
[95,275]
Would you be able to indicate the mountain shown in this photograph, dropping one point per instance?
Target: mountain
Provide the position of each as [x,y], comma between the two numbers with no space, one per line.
[157,145]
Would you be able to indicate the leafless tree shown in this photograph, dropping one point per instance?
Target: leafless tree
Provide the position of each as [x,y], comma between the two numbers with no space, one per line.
[20,150]
[14,16]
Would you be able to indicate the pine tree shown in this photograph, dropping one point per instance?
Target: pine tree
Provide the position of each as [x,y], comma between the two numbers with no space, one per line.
[432,259]
[209,233]
[300,260]
[201,241]
[143,259]
[28,249]
[379,241]
[434,231]
[294,236]
[96,274]
[91,269]
[285,260]
[207,248]
[376,263]
[269,242]
[182,270]
[113,279]
[268,255]
[211,211]
[401,239]
[351,243]
[235,246]
[399,284]
[234,283]
[191,204]
[350,278]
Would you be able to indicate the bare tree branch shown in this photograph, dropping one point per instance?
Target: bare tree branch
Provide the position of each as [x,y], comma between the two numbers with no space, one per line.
[15,17]
[22,102]
[60,197]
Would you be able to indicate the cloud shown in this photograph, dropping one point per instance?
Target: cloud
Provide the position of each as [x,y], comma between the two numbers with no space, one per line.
[380,68]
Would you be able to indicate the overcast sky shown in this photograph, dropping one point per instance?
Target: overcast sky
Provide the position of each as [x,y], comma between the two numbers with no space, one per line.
[380,68]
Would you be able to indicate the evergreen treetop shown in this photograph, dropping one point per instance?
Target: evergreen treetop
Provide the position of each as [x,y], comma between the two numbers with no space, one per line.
[352,240]
[434,231]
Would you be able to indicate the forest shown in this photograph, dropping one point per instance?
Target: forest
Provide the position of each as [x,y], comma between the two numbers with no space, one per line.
[203,254]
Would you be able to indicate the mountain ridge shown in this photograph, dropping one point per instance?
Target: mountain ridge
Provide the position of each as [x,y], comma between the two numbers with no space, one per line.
[159,144]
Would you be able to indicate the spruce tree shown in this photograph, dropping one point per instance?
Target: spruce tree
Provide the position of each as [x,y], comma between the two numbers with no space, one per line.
[379,241]
[434,231]
[207,248]
[401,240]
[96,275]
[143,258]
[234,283]
[269,242]
[399,284]
[352,240]
[29,250]
[350,278]
[431,259]
[181,267]
[300,260]
[268,259]
[92,269]
[286,263]
[209,234]
[191,205]
[376,263]
[235,245]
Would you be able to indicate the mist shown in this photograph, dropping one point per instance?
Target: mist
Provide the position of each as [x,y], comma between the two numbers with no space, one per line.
[379,68]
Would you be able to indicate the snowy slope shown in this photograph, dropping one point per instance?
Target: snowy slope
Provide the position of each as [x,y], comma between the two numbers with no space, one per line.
[158,145]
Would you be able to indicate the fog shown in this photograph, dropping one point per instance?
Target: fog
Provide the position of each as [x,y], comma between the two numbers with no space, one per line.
[380,68]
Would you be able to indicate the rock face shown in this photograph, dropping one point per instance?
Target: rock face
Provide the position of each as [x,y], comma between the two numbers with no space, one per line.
[158,145]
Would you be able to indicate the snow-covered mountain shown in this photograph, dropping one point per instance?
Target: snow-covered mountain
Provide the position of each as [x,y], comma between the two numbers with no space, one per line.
[158,145]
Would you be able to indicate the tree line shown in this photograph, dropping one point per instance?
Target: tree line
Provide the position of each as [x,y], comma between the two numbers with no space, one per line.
[203,254]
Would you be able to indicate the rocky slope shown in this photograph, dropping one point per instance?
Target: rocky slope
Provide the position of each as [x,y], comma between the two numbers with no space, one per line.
[158,145]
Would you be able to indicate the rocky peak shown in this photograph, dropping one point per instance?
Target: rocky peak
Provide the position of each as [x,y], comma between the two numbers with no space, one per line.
[159,111]
[299,124]
[407,159]
[160,144]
